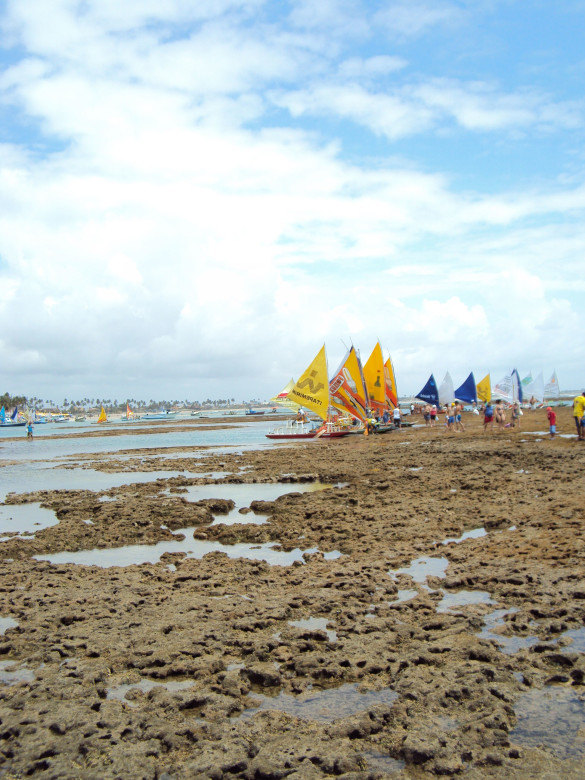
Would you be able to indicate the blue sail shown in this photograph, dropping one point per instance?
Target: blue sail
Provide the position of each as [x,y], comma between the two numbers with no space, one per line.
[429,393]
[518,383]
[468,390]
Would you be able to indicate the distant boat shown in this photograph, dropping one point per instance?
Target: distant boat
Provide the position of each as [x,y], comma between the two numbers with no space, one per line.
[12,421]
[129,416]
[103,417]
[254,411]
[164,414]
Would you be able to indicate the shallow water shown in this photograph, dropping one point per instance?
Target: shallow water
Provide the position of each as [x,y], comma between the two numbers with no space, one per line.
[553,717]
[508,644]
[129,555]
[463,598]
[424,567]
[6,623]
[315,624]
[119,692]
[11,673]
[243,495]
[475,533]
[324,706]
[24,520]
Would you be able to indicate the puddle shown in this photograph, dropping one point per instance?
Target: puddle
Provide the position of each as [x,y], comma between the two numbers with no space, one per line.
[11,674]
[315,624]
[130,555]
[24,520]
[463,598]
[243,495]
[404,595]
[553,717]
[508,644]
[424,567]
[119,692]
[6,623]
[382,763]
[475,533]
[577,637]
[324,706]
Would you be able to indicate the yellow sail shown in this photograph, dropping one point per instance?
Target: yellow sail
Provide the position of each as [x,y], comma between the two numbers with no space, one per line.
[346,388]
[391,389]
[484,389]
[312,388]
[375,379]
[102,418]
[282,398]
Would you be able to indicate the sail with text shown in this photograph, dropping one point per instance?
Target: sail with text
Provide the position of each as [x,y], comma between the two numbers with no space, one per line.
[446,392]
[346,388]
[429,392]
[391,388]
[509,388]
[552,389]
[375,380]
[312,388]
[467,391]
[484,389]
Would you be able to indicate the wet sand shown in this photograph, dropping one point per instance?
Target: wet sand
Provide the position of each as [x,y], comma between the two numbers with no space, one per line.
[220,667]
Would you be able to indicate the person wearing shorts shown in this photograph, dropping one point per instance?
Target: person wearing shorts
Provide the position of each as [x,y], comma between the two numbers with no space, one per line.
[578,412]
[488,416]
[552,421]
[433,414]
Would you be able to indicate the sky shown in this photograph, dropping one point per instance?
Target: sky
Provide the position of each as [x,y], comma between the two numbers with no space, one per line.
[195,197]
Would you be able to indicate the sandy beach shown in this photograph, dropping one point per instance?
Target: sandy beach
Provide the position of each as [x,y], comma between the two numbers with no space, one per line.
[429,621]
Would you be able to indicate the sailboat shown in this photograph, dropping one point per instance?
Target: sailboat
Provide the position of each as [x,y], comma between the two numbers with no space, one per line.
[533,390]
[311,390]
[130,415]
[103,417]
[509,388]
[12,421]
[375,379]
[446,391]
[429,393]
[467,392]
[484,389]
[347,391]
[391,388]
[551,389]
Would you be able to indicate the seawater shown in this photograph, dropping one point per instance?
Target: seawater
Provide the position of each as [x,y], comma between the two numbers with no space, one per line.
[34,464]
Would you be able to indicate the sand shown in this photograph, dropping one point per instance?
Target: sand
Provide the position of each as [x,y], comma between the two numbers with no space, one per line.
[335,665]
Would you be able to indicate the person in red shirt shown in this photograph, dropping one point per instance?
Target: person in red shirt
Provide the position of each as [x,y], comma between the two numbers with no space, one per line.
[552,421]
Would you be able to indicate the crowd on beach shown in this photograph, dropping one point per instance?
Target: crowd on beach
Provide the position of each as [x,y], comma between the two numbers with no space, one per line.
[495,415]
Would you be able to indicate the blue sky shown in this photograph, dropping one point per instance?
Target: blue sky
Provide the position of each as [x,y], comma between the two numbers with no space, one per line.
[195,196]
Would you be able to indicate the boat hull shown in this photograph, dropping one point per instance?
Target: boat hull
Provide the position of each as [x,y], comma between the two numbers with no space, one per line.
[312,435]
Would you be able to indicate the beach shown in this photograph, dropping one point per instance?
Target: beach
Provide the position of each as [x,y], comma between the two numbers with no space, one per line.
[407,605]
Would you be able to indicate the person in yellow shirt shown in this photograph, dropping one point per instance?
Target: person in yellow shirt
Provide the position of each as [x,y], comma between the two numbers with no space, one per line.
[578,412]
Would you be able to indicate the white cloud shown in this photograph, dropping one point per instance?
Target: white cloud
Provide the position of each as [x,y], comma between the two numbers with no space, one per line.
[199,226]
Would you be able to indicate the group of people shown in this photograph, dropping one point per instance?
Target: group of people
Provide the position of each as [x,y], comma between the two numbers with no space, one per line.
[497,414]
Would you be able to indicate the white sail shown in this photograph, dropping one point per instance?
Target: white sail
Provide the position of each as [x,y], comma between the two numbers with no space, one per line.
[446,391]
[534,389]
[509,388]
[552,389]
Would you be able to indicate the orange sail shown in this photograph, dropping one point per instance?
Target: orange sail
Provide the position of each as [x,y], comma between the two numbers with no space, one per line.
[391,389]
[346,388]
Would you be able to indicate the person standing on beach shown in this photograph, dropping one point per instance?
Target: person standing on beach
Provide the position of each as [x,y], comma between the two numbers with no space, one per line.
[29,430]
[552,421]
[500,414]
[397,417]
[578,412]
[427,415]
[458,417]
[433,415]
[488,416]
[516,412]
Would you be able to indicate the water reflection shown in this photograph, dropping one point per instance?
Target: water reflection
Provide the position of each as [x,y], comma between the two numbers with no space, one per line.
[553,717]
[324,706]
